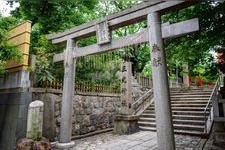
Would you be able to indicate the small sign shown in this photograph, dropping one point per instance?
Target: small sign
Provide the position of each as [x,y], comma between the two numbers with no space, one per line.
[102,32]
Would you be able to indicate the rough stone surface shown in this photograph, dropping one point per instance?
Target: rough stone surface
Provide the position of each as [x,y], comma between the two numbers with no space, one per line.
[216,140]
[29,144]
[124,124]
[49,113]
[90,113]
[35,120]
[19,79]
[143,140]
[13,117]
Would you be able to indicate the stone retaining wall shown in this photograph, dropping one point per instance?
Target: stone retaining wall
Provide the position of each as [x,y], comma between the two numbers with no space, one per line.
[91,112]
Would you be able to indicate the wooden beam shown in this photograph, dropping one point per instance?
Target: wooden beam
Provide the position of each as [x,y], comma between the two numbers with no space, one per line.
[120,19]
[168,31]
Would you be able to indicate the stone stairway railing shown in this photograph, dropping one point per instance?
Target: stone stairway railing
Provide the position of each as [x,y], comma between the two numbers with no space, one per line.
[209,117]
[143,102]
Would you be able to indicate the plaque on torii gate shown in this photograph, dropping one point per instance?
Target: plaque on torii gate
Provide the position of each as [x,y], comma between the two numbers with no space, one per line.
[117,20]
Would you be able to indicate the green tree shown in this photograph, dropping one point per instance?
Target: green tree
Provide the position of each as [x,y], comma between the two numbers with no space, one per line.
[195,48]
[48,17]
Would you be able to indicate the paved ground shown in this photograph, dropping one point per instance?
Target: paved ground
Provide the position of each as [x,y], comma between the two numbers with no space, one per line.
[143,140]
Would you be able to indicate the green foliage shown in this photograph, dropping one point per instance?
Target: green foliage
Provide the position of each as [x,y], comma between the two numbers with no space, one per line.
[221,59]
[98,69]
[54,16]
[196,48]
[47,17]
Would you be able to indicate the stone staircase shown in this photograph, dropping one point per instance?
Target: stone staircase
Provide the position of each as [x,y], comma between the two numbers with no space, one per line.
[187,110]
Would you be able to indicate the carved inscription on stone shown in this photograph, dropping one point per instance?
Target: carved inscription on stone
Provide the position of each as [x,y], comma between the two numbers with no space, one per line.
[102,32]
[157,62]
[157,59]
[126,91]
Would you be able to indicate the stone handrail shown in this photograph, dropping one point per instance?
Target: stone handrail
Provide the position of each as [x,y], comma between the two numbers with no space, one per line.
[143,102]
[209,119]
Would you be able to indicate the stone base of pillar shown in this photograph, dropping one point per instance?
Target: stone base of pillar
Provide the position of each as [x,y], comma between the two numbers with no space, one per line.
[64,146]
[126,124]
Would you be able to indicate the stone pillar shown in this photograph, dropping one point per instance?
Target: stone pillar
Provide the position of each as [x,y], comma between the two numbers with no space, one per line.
[126,89]
[32,64]
[35,120]
[67,99]
[177,75]
[34,139]
[125,122]
[138,77]
[185,74]
[165,134]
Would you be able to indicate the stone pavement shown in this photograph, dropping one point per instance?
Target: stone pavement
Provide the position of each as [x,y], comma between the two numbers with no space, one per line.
[146,140]
[143,140]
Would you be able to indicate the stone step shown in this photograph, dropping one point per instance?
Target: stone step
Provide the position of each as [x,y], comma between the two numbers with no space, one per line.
[190,99]
[184,117]
[175,121]
[194,113]
[176,126]
[191,90]
[189,105]
[175,93]
[197,113]
[189,122]
[187,111]
[189,132]
[190,96]
[187,102]
[147,128]
[182,108]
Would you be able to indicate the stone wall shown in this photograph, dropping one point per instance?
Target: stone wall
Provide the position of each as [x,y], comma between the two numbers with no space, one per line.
[13,117]
[92,112]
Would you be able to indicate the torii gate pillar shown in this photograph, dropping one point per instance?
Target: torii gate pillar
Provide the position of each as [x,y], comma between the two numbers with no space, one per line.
[164,126]
[67,99]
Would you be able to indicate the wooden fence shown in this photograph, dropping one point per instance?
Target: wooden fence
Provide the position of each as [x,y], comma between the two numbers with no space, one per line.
[81,87]
[93,87]
[144,81]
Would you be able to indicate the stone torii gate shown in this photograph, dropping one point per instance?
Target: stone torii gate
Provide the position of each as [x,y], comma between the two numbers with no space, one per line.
[154,34]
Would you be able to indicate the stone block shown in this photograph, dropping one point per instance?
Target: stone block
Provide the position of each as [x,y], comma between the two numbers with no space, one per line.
[15,80]
[126,124]
[16,98]
[22,111]
[21,128]
[26,144]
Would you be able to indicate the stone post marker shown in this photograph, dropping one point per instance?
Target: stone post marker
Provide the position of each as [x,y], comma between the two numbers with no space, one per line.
[126,91]
[34,139]
[185,74]
[35,120]
[164,126]
[125,122]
